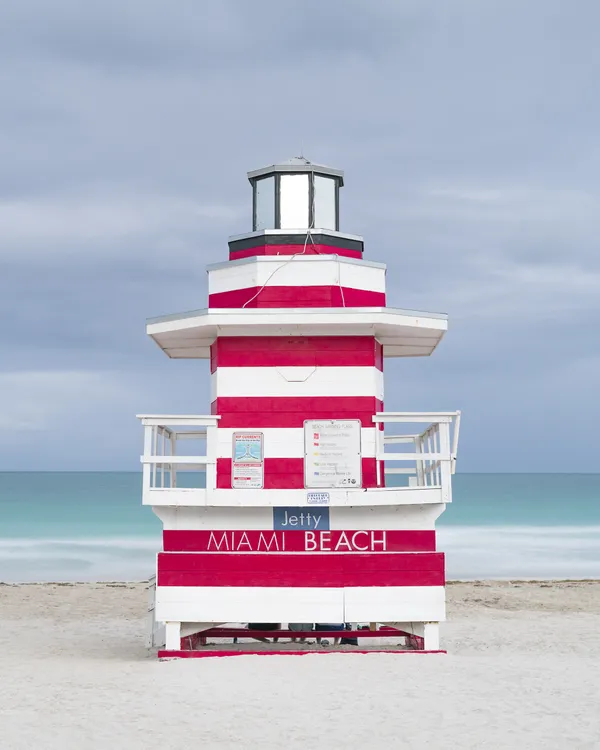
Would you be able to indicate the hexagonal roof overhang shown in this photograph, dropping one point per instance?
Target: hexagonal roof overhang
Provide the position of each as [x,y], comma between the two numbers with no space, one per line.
[403,333]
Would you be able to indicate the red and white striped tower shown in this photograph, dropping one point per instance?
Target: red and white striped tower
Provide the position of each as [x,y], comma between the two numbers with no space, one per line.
[296,522]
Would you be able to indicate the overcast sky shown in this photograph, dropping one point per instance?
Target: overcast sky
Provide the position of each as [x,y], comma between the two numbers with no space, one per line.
[468,131]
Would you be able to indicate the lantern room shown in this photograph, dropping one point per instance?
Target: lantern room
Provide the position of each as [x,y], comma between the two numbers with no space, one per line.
[296,194]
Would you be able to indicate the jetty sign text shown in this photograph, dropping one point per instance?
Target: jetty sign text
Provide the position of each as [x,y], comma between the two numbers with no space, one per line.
[301,519]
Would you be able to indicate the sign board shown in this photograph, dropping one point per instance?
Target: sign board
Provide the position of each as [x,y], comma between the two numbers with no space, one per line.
[332,456]
[317,498]
[248,465]
[294,539]
[300,519]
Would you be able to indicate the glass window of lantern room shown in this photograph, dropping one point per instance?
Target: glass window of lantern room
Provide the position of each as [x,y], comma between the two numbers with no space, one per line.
[325,203]
[264,203]
[293,201]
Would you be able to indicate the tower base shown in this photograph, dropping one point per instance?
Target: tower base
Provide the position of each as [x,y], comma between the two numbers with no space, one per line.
[202,644]
[167,655]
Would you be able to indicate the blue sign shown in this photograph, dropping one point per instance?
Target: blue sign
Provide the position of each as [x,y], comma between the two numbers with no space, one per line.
[317,498]
[300,519]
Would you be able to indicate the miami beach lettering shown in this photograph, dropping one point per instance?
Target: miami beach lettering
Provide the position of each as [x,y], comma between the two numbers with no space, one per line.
[238,541]
[352,541]
[297,541]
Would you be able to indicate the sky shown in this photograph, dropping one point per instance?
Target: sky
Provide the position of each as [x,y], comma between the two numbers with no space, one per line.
[468,131]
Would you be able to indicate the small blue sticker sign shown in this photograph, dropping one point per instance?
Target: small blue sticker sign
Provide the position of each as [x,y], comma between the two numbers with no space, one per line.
[300,519]
[317,498]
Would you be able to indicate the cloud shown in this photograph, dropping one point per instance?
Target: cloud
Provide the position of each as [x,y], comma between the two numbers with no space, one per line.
[61,420]
[147,36]
[468,134]
[51,226]
[505,291]
[40,401]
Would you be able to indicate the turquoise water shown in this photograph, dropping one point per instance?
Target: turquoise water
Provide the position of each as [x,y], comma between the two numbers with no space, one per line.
[92,526]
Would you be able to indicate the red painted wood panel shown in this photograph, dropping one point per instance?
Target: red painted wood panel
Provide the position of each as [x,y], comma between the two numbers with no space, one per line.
[311,249]
[235,632]
[297,296]
[302,351]
[269,541]
[210,653]
[315,571]
[299,579]
[264,411]
[258,420]
[378,355]
[288,473]
[316,563]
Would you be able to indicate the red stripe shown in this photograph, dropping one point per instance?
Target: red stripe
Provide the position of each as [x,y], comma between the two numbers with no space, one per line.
[348,563]
[269,541]
[384,631]
[301,351]
[266,411]
[297,296]
[212,653]
[311,249]
[293,571]
[288,473]
[378,355]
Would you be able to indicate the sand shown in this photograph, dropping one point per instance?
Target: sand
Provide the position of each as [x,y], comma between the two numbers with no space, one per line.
[523,671]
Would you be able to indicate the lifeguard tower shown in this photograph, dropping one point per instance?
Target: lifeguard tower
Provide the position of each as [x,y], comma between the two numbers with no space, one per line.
[297,507]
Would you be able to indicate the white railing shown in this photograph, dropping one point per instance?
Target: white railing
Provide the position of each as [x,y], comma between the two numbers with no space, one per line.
[430,453]
[433,453]
[162,460]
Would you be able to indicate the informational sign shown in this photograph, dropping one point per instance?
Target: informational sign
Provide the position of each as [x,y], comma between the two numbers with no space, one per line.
[300,519]
[317,498]
[248,465]
[332,456]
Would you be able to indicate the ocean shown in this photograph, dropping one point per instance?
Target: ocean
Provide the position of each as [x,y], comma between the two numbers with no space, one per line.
[88,526]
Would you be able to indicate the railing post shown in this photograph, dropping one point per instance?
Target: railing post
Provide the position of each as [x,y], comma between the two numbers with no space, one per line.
[154,452]
[420,466]
[162,453]
[173,471]
[211,457]
[146,468]
[446,462]
[430,465]
[455,440]
[437,449]
[379,451]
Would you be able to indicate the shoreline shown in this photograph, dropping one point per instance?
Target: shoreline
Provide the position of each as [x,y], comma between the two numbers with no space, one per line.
[472,552]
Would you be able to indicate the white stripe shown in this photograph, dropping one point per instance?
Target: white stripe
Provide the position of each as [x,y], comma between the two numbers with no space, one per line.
[300,272]
[248,604]
[395,604]
[385,517]
[223,498]
[287,442]
[296,381]
[189,519]
[372,517]
[253,604]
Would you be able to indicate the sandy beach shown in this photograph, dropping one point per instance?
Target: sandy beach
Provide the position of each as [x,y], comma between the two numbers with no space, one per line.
[523,671]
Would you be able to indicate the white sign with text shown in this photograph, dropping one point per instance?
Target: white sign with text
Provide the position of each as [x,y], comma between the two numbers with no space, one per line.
[332,454]
[248,465]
